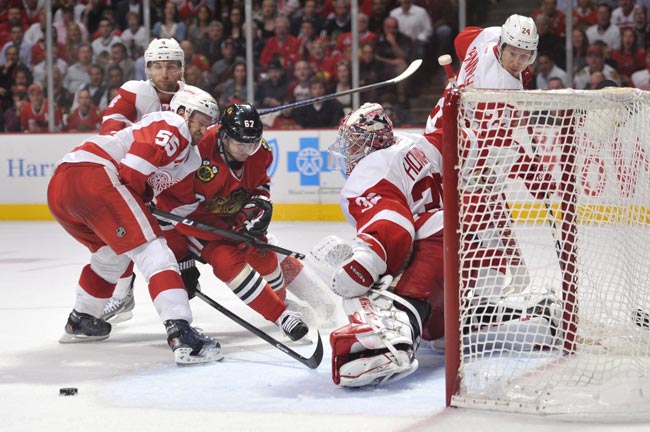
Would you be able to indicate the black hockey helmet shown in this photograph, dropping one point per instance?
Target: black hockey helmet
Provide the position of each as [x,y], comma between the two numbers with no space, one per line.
[242,122]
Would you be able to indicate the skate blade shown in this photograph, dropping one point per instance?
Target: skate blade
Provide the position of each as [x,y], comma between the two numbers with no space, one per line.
[119,318]
[183,356]
[71,338]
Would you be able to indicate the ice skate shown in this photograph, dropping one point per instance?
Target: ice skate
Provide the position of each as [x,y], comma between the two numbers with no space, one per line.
[190,346]
[292,325]
[82,327]
[118,310]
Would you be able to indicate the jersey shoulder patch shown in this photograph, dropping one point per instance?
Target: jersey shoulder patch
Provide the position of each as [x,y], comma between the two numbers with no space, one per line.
[265,145]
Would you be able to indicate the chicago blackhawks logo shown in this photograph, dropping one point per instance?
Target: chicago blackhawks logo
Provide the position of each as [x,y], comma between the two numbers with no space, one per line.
[206,171]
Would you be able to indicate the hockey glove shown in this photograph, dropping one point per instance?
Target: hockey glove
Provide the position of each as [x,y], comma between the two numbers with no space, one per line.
[255,216]
[190,275]
[538,180]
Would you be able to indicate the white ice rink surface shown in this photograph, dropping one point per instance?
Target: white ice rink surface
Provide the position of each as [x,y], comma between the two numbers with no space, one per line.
[130,383]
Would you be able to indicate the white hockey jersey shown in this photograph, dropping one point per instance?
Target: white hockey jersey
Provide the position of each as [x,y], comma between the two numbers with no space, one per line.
[133,101]
[395,195]
[150,156]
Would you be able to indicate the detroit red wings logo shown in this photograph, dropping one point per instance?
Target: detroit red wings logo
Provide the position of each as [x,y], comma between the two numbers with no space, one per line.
[161,180]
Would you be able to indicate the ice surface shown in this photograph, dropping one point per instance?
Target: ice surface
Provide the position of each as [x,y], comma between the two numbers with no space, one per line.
[130,383]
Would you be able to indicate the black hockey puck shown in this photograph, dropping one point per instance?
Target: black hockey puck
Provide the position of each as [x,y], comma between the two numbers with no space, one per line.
[68,391]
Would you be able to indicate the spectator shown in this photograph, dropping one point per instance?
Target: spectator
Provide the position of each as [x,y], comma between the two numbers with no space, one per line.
[322,114]
[195,59]
[62,98]
[547,69]
[14,17]
[443,20]
[556,18]
[365,35]
[273,91]
[379,13]
[580,45]
[24,48]
[39,62]
[169,27]
[604,30]
[62,26]
[306,36]
[234,90]
[594,80]
[595,63]
[12,114]
[234,30]
[9,72]
[282,46]
[92,15]
[134,35]
[322,64]
[641,79]
[77,74]
[192,8]
[115,77]
[120,57]
[371,71]
[630,58]
[31,11]
[34,115]
[550,42]
[210,43]
[623,15]
[106,38]
[98,90]
[309,13]
[22,80]
[394,49]
[414,22]
[338,22]
[36,31]
[299,87]
[343,82]
[125,7]
[399,116]
[266,25]
[194,76]
[222,69]
[641,27]
[199,26]
[584,14]
[555,84]
[74,40]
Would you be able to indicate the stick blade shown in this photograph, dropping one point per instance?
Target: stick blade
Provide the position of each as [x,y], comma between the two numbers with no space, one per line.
[314,361]
[410,70]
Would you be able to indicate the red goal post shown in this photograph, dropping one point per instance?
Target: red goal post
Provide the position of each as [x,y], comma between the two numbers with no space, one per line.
[547,264]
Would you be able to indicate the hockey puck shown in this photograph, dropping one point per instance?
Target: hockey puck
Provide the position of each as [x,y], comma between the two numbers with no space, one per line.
[68,391]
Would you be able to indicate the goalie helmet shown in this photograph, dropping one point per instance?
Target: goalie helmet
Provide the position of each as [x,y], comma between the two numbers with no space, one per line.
[361,132]
[521,32]
[194,99]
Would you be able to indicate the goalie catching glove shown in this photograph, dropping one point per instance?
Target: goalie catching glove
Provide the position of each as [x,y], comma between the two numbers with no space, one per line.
[357,274]
[255,216]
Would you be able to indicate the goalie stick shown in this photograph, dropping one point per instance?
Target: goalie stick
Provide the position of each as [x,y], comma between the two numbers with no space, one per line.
[241,238]
[410,70]
[311,362]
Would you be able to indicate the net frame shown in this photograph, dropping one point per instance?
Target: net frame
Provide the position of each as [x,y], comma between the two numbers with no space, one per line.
[564,214]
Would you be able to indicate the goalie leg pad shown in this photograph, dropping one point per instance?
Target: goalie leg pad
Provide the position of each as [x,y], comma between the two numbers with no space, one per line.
[355,366]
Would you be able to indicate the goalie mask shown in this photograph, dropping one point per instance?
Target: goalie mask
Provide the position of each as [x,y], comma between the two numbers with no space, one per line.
[361,132]
[193,99]
[520,32]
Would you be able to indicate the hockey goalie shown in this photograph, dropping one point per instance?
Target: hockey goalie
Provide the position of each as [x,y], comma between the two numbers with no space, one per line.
[393,198]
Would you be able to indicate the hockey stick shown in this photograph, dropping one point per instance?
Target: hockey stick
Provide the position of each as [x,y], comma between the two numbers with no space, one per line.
[241,238]
[311,362]
[415,64]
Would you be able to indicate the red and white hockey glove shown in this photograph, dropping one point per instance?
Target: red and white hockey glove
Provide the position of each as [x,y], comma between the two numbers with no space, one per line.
[539,181]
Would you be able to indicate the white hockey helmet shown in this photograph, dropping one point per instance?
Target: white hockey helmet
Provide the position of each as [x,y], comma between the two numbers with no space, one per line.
[361,132]
[521,32]
[164,50]
[194,99]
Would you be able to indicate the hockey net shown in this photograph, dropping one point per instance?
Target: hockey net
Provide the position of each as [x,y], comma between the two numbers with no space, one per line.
[547,233]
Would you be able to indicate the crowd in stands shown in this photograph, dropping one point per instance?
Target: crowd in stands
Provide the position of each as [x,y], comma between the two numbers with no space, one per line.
[302,48]
[611,41]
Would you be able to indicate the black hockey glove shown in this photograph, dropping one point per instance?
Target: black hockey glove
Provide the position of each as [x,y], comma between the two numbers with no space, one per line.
[190,275]
[255,216]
